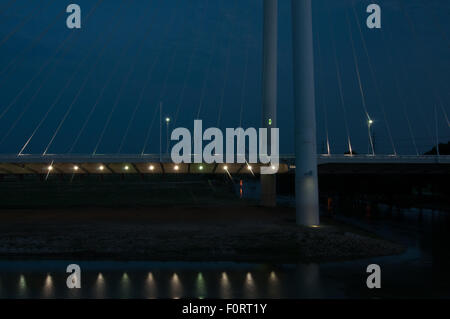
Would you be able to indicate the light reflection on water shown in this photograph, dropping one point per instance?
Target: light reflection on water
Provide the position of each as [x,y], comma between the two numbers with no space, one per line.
[411,274]
[150,287]
[48,287]
[225,287]
[22,287]
[249,287]
[118,284]
[176,289]
[125,286]
[99,287]
[330,280]
[201,286]
[274,285]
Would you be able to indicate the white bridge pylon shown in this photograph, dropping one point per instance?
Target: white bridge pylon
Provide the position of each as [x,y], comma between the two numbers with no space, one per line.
[306,181]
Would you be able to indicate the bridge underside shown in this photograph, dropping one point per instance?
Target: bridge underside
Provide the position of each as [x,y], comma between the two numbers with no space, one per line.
[233,169]
[152,164]
[384,169]
[129,168]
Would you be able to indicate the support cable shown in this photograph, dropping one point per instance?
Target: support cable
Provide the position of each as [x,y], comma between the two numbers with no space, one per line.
[437,130]
[358,74]
[208,70]
[102,90]
[122,87]
[428,74]
[374,79]
[43,67]
[445,114]
[23,22]
[43,82]
[100,95]
[206,79]
[341,94]
[86,78]
[439,26]
[244,85]
[33,97]
[243,91]
[37,40]
[162,92]
[57,98]
[6,6]
[188,72]
[404,75]
[400,95]
[225,81]
[324,106]
[146,83]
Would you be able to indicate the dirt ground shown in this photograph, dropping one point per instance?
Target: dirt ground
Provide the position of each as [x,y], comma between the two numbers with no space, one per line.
[180,233]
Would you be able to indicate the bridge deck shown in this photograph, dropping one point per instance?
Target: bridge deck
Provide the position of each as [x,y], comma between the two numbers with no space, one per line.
[154,164]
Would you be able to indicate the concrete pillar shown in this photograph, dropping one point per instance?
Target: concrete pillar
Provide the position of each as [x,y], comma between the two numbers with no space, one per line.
[306,184]
[269,91]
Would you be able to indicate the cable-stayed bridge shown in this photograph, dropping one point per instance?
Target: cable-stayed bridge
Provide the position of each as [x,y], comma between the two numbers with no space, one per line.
[61,99]
[90,107]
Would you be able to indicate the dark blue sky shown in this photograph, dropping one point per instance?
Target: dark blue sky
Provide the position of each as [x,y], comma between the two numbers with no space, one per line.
[197,52]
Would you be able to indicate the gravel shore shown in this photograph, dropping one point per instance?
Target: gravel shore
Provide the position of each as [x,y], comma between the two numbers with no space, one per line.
[241,233]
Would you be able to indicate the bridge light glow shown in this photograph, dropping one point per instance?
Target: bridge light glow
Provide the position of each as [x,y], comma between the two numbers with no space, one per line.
[48,281]
[76,168]
[101,167]
[273,276]
[249,167]
[126,167]
[50,168]
[167,119]
[225,168]
[176,167]
[370,121]
[200,167]
[151,167]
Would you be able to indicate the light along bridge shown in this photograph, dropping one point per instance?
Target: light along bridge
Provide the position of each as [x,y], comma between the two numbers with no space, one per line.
[155,164]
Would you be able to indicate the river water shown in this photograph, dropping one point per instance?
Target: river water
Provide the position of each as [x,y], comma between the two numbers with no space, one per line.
[420,272]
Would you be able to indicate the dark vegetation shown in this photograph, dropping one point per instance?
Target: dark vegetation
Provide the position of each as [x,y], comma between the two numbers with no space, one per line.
[444,149]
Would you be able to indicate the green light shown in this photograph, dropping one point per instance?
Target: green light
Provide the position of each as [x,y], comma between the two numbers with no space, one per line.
[270,121]
[22,282]
[200,167]
[201,286]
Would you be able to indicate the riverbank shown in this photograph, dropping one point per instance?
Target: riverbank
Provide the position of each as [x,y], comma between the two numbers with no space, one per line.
[236,232]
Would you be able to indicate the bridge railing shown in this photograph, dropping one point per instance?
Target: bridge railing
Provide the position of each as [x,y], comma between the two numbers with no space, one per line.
[365,158]
[284,158]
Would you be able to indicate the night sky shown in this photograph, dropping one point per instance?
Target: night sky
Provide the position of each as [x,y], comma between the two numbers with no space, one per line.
[101,90]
